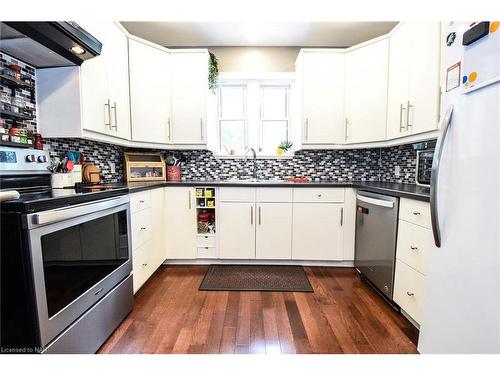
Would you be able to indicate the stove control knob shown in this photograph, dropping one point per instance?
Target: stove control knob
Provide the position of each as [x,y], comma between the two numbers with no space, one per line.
[30,158]
[42,159]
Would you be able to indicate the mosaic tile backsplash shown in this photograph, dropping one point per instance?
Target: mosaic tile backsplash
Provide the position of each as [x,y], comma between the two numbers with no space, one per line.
[376,164]
[338,165]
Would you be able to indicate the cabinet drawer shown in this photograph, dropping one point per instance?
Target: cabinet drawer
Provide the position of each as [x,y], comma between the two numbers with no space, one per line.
[409,290]
[413,245]
[207,252]
[274,195]
[206,241]
[141,265]
[237,194]
[318,195]
[141,227]
[140,201]
[416,212]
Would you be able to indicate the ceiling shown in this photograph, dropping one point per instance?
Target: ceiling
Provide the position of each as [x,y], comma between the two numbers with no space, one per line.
[268,34]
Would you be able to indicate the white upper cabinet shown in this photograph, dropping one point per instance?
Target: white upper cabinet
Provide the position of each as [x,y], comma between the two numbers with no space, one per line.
[91,100]
[113,64]
[189,96]
[399,70]
[149,92]
[413,105]
[321,79]
[366,92]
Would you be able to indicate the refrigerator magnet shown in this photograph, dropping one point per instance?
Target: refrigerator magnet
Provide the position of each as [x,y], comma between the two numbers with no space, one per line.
[453,77]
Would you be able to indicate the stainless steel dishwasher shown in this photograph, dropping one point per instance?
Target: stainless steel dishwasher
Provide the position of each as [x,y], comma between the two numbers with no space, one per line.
[376,231]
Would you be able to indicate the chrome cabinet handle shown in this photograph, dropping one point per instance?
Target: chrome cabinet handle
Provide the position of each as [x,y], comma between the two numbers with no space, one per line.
[169,130]
[143,228]
[436,163]
[144,264]
[201,128]
[416,213]
[141,201]
[345,129]
[341,216]
[410,294]
[251,215]
[98,291]
[408,115]
[401,125]
[108,105]
[116,118]
[319,195]
[189,199]
[260,220]
[307,128]
[414,248]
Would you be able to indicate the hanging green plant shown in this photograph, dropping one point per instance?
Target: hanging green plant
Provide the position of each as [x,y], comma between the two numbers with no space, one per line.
[213,72]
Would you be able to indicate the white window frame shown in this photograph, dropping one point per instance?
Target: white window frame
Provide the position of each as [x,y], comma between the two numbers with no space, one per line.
[220,118]
[253,137]
[287,110]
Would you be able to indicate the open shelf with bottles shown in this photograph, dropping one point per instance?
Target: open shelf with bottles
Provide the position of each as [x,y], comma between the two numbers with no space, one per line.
[205,210]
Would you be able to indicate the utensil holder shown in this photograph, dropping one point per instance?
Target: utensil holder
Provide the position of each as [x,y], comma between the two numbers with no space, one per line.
[173,173]
[61,180]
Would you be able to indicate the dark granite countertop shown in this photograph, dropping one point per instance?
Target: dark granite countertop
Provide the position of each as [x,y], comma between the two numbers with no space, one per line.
[411,191]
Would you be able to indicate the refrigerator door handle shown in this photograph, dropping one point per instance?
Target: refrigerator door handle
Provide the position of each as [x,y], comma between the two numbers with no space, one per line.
[436,163]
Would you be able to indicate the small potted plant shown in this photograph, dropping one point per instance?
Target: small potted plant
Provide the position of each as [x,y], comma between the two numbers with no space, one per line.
[284,147]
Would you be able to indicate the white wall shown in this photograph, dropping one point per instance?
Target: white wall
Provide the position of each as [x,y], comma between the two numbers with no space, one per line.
[256,59]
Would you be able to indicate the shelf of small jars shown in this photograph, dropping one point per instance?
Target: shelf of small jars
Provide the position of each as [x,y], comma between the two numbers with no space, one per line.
[10,81]
[4,113]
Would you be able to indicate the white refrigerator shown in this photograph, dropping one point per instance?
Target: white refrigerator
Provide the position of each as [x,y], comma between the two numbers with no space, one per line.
[461,311]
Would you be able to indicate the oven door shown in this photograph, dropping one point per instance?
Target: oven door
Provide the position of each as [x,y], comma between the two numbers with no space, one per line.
[79,253]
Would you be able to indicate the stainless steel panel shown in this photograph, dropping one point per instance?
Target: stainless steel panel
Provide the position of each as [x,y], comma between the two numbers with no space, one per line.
[376,230]
[52,327]
[87,334]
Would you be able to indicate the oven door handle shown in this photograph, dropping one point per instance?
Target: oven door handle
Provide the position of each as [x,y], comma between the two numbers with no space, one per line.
[61,214]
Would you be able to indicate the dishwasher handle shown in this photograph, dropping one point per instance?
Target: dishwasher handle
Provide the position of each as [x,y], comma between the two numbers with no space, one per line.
[375,202]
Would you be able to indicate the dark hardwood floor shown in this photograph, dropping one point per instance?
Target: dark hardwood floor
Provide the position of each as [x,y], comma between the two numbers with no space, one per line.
[343,315]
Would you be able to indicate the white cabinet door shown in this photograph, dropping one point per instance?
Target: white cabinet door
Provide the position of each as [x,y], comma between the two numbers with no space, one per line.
[117,72]
[149,92]
[317,231]
[236,230]
[424,90]
[180,224]
[322,82]
[189,96]
[397,101]
[96,112]
[158,226]
[274,231]
[366,92]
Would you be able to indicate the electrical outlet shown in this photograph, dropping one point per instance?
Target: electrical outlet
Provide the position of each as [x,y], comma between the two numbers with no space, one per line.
[112,167]
[397,171]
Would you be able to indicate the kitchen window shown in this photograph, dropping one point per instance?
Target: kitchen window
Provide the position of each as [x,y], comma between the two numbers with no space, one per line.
[252,114]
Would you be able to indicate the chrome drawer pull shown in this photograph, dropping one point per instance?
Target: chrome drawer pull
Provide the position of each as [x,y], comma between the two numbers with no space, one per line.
[410,294]
[98,291]
[143,228]
[416,213]
[144,264]
[414,248]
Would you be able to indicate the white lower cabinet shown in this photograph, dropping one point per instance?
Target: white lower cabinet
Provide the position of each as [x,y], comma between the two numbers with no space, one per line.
[409,290]
[274,231]
[237,230]
[148,246]
[317,231]
[413,244]
[180,223]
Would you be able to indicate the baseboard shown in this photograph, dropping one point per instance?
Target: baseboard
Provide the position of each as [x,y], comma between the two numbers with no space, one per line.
[318,263]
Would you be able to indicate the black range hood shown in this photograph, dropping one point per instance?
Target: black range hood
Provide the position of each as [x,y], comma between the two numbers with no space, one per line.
[48,44]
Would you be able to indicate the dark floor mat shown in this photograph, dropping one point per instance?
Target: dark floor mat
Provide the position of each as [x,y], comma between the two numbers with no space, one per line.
[256,278]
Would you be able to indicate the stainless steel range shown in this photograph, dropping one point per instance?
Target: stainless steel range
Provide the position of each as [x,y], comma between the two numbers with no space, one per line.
[66,278]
